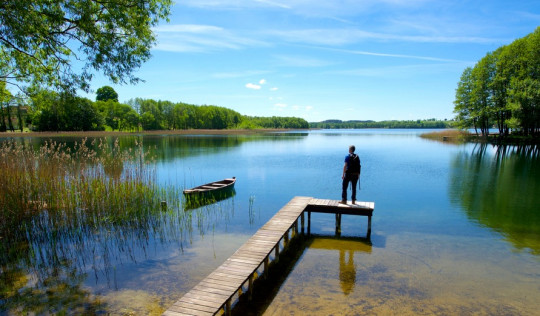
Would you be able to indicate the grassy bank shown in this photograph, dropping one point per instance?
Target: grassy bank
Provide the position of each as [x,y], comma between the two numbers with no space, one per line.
[448,135]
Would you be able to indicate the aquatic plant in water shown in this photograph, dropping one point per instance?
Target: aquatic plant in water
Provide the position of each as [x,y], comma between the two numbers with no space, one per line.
[90,205]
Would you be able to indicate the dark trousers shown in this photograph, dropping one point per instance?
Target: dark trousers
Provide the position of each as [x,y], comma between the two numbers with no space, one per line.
[352,178]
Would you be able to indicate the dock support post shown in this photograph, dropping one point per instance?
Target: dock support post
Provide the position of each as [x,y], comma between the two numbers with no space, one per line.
[309,223]
[338,224]
[276,252]
[286,238]
[228,307]
[369,227]
[250,290]
[266,263]
[302,221]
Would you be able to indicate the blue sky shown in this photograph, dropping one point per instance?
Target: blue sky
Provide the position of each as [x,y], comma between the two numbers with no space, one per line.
[325,59]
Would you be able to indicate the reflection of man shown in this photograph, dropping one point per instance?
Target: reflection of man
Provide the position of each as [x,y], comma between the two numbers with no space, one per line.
[347,272]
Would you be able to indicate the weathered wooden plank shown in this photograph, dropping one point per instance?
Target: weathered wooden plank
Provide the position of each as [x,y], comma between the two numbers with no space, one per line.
[212,290]
[252,250]
[219,273]
[245,260]
[254,246]
[262,239]
[246,271]
[248,254]
[268,233]
[200,302]
[240,275]
[198,295]
[212,284]
[192,309]
[226,279]
[266,247]
[185,311]
[239,265]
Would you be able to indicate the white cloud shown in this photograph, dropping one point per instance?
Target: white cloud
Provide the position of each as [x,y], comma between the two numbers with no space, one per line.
[358,52]
[253,86]
[403,71]
[280,105]
[274,4]
[309,108]
[344,36]
[200,38]
[301,61]
[262,81]
[274,89]
[240,74]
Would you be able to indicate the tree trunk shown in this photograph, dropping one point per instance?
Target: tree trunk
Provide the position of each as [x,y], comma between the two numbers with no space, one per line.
[19,117]
[10,123]
[2,118]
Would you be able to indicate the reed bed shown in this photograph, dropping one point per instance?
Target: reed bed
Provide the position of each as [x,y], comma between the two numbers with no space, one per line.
[92,192]
[448,135]
[98,178]
[88,206]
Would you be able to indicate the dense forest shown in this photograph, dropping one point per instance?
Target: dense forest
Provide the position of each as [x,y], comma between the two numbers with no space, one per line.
[47,110]
[336,124]
[503,90]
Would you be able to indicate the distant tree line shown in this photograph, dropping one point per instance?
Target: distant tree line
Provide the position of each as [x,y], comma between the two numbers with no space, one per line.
[337,124]
[47,110]
[502,90]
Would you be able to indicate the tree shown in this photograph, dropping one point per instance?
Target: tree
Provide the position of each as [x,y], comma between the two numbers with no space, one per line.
[54,111]
[40,39]
[106,93]
[503,88]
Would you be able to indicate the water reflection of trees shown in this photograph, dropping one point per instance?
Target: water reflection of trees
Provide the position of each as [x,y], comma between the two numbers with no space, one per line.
[498,186]
[170,147]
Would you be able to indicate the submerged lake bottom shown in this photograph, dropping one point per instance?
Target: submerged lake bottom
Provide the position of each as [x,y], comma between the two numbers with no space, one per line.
[455,231]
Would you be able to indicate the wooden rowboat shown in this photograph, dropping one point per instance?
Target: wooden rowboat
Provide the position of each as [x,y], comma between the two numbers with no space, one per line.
[216,186]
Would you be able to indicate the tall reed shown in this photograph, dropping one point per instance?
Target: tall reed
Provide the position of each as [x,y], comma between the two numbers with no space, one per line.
[90,184]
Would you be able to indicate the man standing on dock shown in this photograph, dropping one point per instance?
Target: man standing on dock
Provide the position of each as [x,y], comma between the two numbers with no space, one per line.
[351,173]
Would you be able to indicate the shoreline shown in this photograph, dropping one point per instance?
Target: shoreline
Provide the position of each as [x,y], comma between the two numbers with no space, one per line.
[460,137]
[156,132]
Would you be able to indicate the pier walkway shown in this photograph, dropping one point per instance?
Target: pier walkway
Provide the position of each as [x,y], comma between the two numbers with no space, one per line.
[216,293]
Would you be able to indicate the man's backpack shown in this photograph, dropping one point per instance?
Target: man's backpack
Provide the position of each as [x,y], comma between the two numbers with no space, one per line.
[354,164]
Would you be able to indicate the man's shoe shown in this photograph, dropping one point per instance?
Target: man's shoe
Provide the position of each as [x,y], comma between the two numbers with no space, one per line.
[343,202]
[353,201]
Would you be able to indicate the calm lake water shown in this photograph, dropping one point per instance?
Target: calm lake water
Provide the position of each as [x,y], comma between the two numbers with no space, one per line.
[456,230]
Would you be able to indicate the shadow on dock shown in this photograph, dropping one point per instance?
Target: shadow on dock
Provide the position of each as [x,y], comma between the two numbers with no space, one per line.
[267,288]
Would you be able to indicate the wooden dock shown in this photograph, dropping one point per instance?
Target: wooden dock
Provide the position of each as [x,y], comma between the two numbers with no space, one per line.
[216,293]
